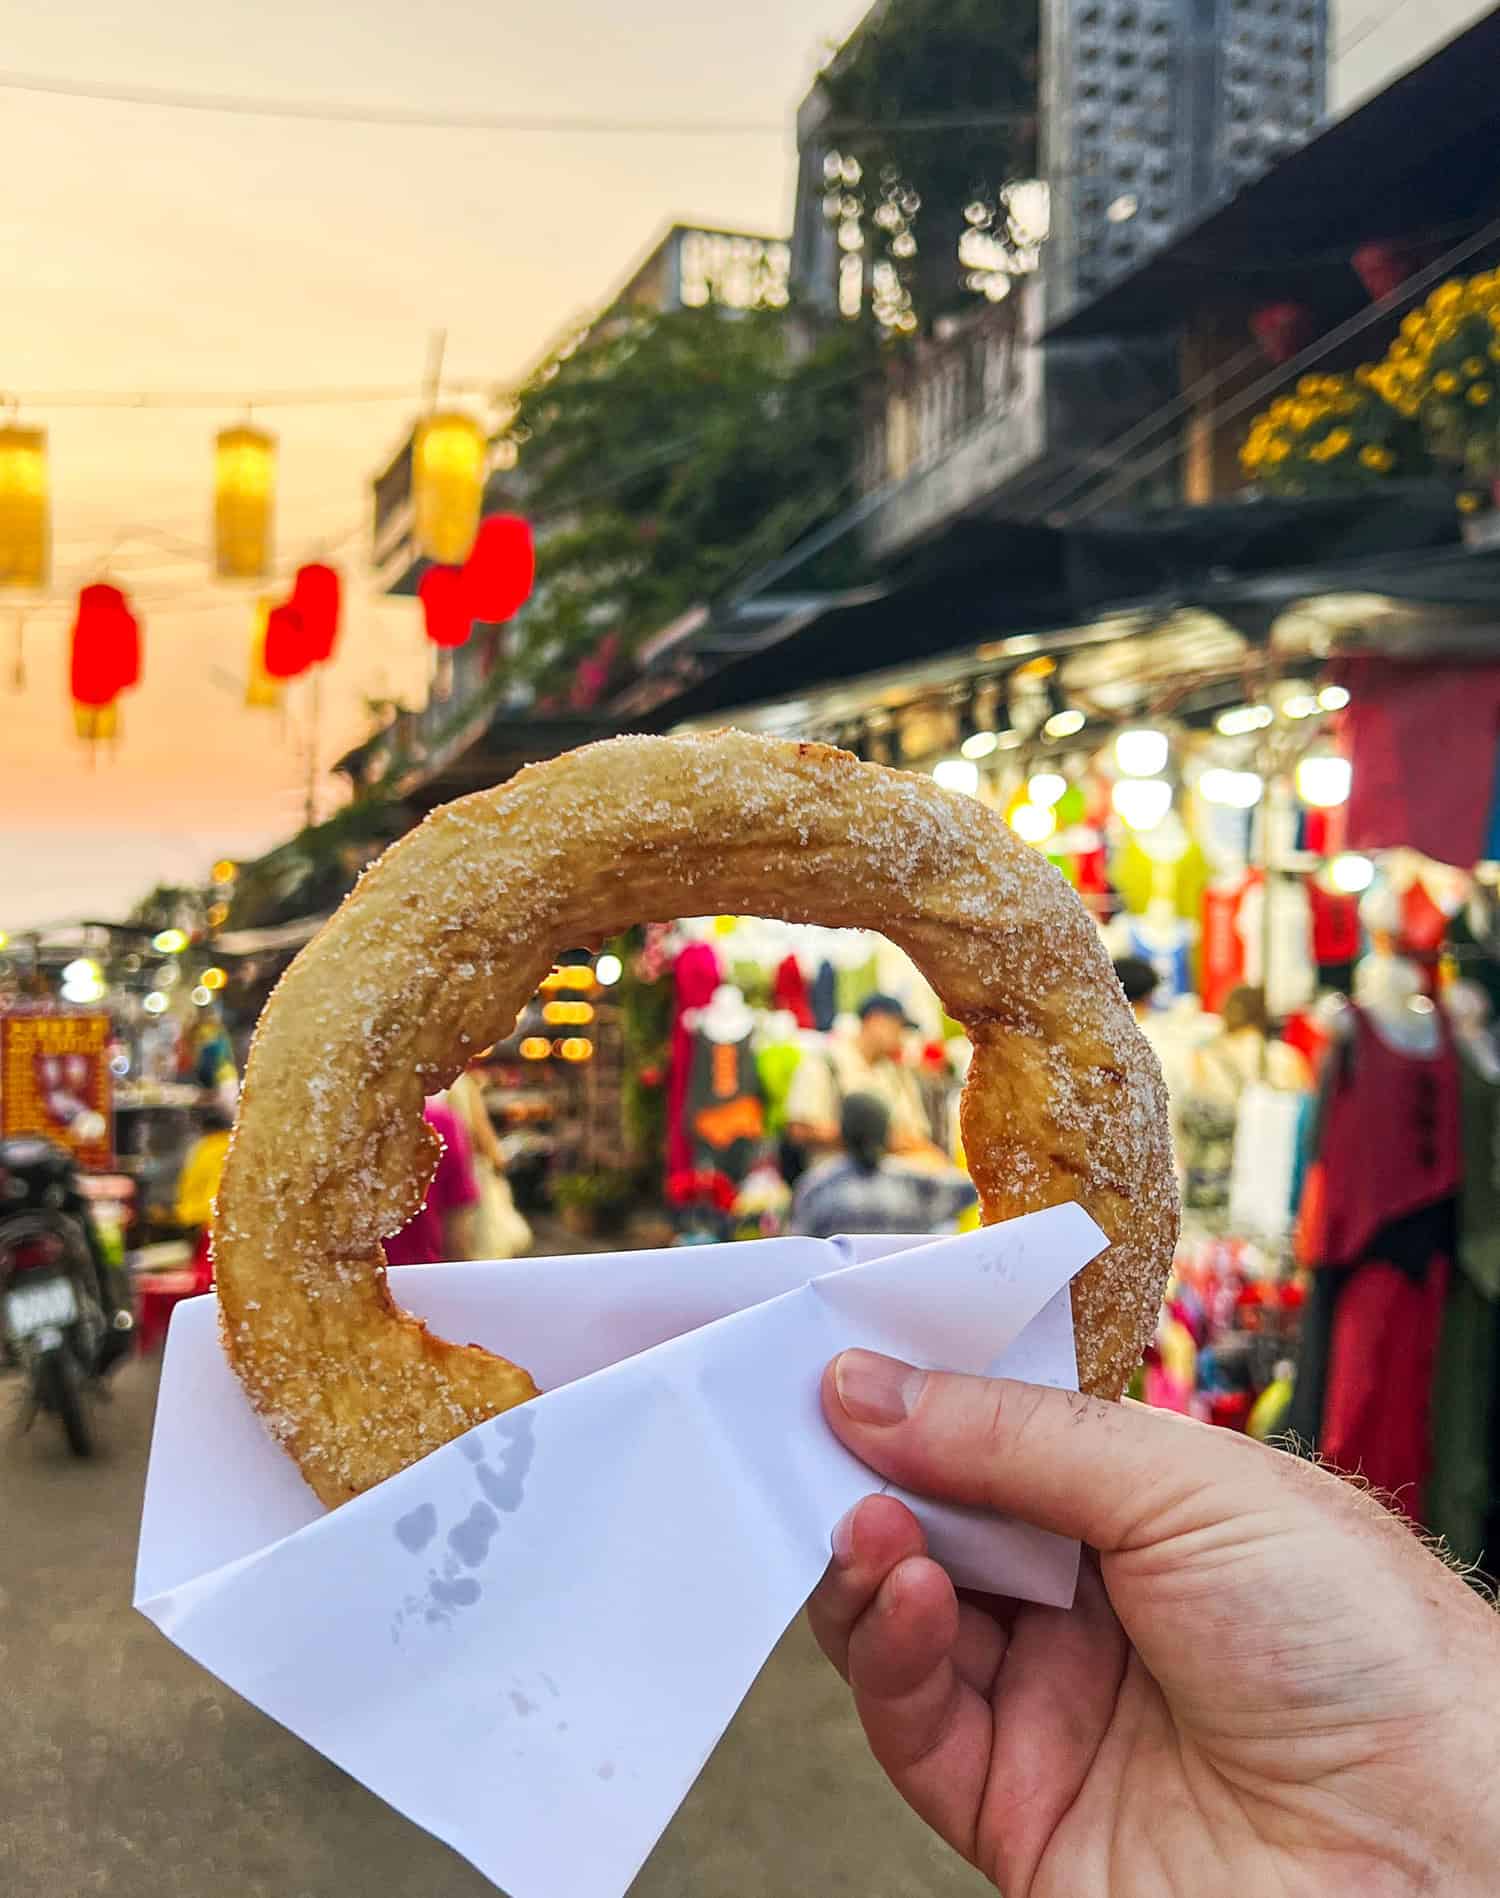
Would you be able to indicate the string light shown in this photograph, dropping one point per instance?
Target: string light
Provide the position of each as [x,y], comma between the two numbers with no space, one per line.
[957,774]
[1351,874]
[608,970]
[155,1003]
[1238,789]
[1142,753]
[1143,803]
[1046,789]
[1033,823]
[1323,780]
[170,942]
[1242,719]
[1333,698]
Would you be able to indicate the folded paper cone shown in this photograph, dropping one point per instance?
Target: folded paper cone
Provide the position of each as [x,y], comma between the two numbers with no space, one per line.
[530,1642]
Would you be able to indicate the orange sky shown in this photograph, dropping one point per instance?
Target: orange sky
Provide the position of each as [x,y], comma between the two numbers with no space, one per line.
[149,249]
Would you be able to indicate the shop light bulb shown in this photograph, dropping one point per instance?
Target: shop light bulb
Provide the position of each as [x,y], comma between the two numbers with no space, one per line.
[1066,723]
[1033,823]
[82,972]
[1351,873]
[980,745]
[1333,698]
[1240,719]
[171,942]
[535,1048]
[86,988]
[214,978]
[1046,788]
[1323,780]
[576,1048]
[957,774]
[1143,753]
[1239,789]
[1142,802]
[608,970]
[1301,705]
[155,1003]
[202,996]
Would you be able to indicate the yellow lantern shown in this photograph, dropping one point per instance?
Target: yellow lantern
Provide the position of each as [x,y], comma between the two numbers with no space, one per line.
[98,724]
[262,692]
[25,540]
[447,486]
[244,489]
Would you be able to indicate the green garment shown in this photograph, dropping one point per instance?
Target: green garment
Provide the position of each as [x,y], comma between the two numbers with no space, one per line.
[1461,1488]
[777,1064]
[856,985]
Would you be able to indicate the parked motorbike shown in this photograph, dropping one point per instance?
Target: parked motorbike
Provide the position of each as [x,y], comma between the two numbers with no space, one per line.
[64,1319]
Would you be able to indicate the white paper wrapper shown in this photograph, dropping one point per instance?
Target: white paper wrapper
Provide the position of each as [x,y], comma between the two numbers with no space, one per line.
[530,1642]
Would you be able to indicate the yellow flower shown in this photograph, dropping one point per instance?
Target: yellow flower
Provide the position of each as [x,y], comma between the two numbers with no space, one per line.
[1446,295]
[1445,382]
[1278,450]
[1365,375]
[1470,503]
[1303,416]
[1412,326]
[1472,367]
[1337,440]
[1493,352]
[1310,385]
[1372,455]
[1480,393]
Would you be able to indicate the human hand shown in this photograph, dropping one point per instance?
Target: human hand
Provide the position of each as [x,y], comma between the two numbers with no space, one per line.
[1267,1685]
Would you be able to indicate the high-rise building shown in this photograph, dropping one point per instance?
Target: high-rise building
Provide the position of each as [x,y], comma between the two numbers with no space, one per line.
[1156,111]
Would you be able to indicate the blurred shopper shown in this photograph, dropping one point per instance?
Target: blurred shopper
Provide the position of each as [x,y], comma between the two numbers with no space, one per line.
[872,1063]
[198,1187]
[866,1190]
[500,1230]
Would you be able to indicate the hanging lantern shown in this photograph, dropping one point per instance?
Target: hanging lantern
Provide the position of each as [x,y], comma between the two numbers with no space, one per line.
[448,454]
[105,656]
[316,596]
[447,616]
[25,538]
[262,692]
[1382,268]
[1283,330]
[501,571]
[244,488]
[284,649]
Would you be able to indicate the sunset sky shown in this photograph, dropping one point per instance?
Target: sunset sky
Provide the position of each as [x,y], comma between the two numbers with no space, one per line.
[150,249]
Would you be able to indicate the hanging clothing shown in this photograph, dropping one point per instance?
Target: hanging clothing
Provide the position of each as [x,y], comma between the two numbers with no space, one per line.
[776,1066]
[824,997]
[1336,935]
[725,1115]
[695,976]
[1389,1167]
[789,991]
[1462,1490]
[1422,739]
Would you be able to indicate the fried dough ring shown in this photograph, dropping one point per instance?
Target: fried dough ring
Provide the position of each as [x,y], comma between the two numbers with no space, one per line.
[446,939]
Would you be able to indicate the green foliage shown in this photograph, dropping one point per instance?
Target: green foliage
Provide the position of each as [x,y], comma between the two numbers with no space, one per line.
[935,211]
[667,457]
[604,1194]
[316,869]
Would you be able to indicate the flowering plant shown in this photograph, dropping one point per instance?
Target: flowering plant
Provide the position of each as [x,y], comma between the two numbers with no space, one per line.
[1333,435]
[1446,362]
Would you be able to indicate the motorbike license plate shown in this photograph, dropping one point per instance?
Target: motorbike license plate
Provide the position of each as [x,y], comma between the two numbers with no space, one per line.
[33,1308]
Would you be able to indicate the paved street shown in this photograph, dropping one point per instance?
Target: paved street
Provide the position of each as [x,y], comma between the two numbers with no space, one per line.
[125,1770]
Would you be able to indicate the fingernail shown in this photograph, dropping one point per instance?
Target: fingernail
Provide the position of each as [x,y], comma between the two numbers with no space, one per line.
[875,1389]
[843,1538]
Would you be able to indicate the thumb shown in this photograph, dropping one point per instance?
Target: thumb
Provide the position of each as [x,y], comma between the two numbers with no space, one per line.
[1112,1475]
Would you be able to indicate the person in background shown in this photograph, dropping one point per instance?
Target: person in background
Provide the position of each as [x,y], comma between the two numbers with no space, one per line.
[1244,1051]
[500,1231]
[198,1187]
[444,1226]
[872,1063]
[865,1191]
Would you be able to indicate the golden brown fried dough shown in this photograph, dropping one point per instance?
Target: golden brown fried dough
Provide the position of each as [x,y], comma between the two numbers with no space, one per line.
[446,938]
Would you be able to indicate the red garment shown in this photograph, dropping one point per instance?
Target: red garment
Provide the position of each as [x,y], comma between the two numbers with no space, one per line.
[1302,1032]
[789,991]
[421,1241]
[695,976]
[1335,924]
[1422,738]
[1222,947]
[1423,923]
[1381,1359]
[1390,1141]
[1390,1151]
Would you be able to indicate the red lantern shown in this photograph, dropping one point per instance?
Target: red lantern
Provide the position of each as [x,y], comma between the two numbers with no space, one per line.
[501,570]
[1382,268]
[105,658]
[286,654]
[1283,330]
[316,596]
[447,615]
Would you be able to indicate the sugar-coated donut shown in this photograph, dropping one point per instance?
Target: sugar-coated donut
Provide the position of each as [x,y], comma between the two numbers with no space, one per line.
[446,938]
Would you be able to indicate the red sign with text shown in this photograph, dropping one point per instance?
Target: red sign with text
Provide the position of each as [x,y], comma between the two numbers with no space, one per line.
[55,1081]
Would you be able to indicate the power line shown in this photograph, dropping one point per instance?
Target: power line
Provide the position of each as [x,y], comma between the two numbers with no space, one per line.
[421,118]
[348,112]
[242,398]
